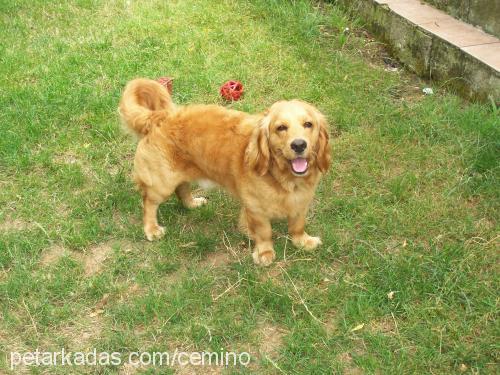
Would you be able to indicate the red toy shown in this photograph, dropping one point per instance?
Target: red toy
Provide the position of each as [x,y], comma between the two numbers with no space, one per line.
[166,82]
[231,90]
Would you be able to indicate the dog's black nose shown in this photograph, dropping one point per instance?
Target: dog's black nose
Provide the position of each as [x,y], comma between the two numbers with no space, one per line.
[298,145]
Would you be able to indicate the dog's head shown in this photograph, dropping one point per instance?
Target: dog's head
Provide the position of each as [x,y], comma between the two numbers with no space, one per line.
[294,136]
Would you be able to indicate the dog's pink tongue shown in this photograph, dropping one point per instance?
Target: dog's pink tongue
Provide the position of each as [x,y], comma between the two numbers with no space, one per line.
[299,165]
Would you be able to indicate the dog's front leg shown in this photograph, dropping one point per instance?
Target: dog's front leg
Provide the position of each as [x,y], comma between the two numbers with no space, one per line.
[300,238]
[259,230]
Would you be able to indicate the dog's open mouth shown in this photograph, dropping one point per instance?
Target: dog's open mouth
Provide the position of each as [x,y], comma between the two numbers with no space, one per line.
[299,166]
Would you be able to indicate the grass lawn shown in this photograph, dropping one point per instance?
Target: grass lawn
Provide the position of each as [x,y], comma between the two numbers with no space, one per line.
[406,280]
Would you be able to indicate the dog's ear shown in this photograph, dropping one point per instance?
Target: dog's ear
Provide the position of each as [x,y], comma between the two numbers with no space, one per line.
[323,157]
[258,154]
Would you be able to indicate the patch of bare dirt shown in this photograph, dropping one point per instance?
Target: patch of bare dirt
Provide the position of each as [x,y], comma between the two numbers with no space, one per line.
[198,370]
[331,322]
[270,338]
[385,325]
[52,255]
[81,333]
[12,343]
[216,259]
[129,369]
[275,271]
[176,276]
[133,290]
[349,366]
[184,368]
[12,225]
[345,358]
[484,225]
[93,259]
[395,245]
[353,371]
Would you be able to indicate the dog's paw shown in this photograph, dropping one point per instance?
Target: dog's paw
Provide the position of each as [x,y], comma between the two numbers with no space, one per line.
[306,241]
[154,232]
[263,256]
[199,201]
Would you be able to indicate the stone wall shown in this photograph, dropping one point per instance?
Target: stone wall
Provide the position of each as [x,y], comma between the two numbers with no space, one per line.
[428,55]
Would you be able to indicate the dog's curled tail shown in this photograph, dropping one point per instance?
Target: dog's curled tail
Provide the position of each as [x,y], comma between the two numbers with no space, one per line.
[144,102]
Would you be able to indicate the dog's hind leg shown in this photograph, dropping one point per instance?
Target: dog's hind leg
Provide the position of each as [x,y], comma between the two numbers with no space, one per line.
[152,196]
[183,192]
[151,228]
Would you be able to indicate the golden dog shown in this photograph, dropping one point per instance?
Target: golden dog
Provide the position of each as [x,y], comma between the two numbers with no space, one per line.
[271,162]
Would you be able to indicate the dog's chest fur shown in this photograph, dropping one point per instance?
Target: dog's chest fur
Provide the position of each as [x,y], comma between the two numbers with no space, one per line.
[278,202]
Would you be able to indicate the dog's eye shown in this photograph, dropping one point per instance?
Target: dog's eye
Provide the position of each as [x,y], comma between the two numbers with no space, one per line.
[281,128]
[308,125]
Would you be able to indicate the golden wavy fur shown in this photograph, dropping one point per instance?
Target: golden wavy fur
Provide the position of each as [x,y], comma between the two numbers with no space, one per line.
[272,162]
